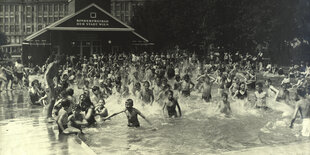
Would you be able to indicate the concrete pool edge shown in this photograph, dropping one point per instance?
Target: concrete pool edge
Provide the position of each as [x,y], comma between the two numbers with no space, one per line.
[84,146]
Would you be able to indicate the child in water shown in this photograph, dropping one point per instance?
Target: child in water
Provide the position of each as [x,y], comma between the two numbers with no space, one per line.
[131,113]
[224,105]
[170,104]
[260,97]
[101,109]
[62,119]
[76,119]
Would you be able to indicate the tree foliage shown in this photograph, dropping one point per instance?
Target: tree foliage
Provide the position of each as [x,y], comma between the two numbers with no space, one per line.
[244,25]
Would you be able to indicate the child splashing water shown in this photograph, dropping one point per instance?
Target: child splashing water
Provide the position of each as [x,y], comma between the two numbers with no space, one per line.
[132,114]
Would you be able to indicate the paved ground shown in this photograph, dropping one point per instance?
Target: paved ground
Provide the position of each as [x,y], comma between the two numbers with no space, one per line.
[24,131]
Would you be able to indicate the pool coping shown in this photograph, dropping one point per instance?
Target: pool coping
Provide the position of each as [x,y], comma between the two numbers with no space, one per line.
[84,146]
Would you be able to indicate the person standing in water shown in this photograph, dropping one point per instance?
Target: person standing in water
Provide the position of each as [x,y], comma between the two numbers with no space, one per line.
[187,86]
[146,94]
[224,105]
[131,113]
[52,88]
[302,107]
[170,104]
[260,97]
[206,88]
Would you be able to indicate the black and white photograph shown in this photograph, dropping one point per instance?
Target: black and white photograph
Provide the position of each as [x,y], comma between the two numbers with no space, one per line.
[154,77]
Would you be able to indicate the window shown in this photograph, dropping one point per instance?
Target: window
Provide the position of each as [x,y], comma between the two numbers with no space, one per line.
[55,7]
[1,20]
[61,7]
[16,28]
[45,19]
[12,20]
[93,15]
[28,29]
[40,7]
[50,8]
[16,18]
[28,20]
[51,19]
[123,6]
[66,8]
[16,8]
[28,9]
[39,19]
[45,7]
[40,27]
[6,8]
[12,8]
[12,28]
[6,20]
[56,19]
[1,8]
[1,28]
[6,28]
[117,7]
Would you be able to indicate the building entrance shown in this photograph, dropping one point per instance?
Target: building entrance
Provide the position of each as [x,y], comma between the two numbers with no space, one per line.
[89,47]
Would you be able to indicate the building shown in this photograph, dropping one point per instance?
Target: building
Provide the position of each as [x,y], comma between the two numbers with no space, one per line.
[88,31]
[20,18]
[124,9]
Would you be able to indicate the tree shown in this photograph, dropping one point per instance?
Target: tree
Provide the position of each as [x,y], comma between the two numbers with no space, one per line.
[244,25]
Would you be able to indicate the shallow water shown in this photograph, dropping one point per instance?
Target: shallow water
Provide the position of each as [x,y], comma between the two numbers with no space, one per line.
[201,130]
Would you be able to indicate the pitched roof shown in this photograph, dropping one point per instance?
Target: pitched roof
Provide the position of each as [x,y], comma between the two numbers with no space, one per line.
[60,24]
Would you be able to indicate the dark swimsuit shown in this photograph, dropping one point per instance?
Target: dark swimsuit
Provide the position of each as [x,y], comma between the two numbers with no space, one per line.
[186,93]
[132,121]
[61,131]
[207,98]
[242,96]
[171,109]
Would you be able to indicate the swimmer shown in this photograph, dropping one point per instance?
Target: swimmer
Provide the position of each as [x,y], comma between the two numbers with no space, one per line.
[260,97]
[62,119]
[271,89]
[146,94]
[302,107]
[206,88]
[187,86]
[101,110]
[98,95]
[224,105]
[242,93]
[132,114]
[76,119]
[170,104]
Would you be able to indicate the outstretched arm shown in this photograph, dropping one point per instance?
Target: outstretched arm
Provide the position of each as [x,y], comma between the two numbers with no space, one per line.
[113,115]
[164,108]
[180,113]
[144,117]
[276,91]
[295,115]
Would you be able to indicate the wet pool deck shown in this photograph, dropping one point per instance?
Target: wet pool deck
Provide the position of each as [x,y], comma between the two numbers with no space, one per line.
[24,130]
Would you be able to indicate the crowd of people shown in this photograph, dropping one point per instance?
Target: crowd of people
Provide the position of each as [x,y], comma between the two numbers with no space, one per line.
[154,78]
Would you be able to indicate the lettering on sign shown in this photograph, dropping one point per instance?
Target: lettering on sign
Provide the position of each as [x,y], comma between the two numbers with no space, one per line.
[92,22]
